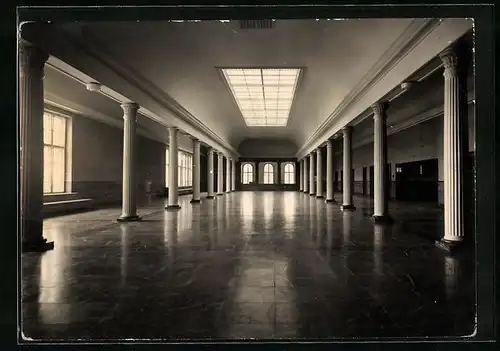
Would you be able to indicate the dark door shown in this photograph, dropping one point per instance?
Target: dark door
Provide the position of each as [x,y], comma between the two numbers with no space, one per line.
[372,171]
[417,181]
[388,181]
[341,180]
[469,195]
[364,181]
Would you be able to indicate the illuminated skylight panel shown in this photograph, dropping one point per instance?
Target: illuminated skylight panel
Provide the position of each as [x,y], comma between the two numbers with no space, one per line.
[264,96]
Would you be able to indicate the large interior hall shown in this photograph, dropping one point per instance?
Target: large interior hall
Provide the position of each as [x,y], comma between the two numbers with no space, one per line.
[247,179]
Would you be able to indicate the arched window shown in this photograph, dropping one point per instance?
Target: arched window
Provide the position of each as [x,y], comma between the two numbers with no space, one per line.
[247,173]
[289,173]
[268,174]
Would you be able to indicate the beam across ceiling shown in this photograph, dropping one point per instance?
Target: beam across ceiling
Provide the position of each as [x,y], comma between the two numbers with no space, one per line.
[120,82]
[419,44]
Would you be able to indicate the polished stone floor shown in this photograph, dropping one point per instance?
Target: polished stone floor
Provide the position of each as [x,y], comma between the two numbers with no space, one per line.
[263,265]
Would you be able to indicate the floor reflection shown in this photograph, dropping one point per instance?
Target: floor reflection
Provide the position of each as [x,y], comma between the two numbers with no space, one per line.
[124,258]
[246,265]
[346,231]
[378,248]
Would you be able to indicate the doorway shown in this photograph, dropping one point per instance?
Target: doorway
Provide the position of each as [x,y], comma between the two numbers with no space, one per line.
[341,181]
[372,184]
[417,181]
[365,190]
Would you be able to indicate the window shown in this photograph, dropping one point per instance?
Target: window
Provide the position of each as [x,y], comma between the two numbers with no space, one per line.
[247,173]
[54,153]
[289,173]
[184,168]
[268,173]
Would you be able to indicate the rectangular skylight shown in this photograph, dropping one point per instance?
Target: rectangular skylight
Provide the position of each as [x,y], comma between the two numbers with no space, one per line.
[264,95]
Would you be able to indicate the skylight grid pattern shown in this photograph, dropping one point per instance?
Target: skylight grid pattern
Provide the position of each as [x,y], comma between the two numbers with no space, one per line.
[264,95]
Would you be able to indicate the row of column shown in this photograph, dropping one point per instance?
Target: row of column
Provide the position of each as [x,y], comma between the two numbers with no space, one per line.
[452,160]
[31,73]
[230,174]
[129,207]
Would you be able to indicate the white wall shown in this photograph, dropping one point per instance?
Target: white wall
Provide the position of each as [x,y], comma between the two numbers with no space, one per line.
[97,161]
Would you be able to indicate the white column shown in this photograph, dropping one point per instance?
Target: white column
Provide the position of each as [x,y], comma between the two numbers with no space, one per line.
[306,175]
[452,153]
[347,181]
[196,171]
[329,172]
[210,185]
[228,175]
[319,176]
[129,186]
[301,182]
[220,174]
[312,182]
[233,175]
[31,72]
[173,175]
[380,208]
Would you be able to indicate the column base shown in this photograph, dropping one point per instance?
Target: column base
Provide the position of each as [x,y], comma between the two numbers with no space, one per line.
[227,192]
[220,194]
[348,208]
[448,246]
[172,207]
[129,219]
[312,194]
[39,245]
[195,201]
[382,219]
[210,197]
[330,201]
[320,197]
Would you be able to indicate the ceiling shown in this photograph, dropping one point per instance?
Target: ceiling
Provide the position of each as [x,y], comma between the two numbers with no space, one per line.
[182,60]
[179,64]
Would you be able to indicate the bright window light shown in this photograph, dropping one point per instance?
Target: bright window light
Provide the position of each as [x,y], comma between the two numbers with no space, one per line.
[264,95]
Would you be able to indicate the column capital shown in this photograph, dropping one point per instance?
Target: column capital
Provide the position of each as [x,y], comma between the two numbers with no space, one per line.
[130,110]
[346,130]
[379,108]
[129,107]
[449,58]
[329,144]
[31,59]
[172,131]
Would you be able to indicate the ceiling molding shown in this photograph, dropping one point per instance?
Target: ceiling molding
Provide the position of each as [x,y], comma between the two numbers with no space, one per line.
[68,47]
[76,110]
[445,31]
[410,122]
[411,36]
[92,47]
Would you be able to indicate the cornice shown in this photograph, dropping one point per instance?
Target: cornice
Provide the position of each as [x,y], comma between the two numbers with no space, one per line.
[66,46]
[90,45]
[74,109]
[416,31]
[421,117]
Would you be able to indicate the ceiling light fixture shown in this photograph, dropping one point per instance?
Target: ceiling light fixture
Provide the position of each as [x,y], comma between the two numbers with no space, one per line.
[264,95]
[93,86]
